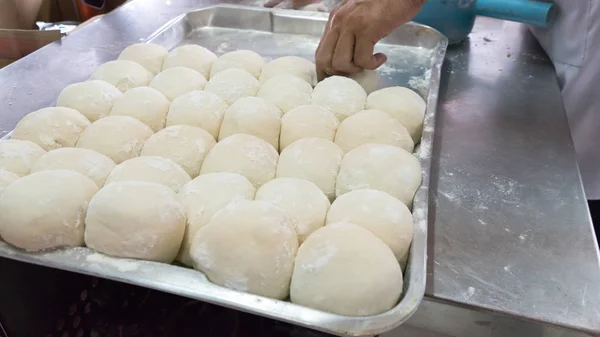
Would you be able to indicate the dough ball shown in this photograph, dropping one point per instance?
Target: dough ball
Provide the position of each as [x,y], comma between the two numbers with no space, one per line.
[198,108]
[191,56]
[344,269]
[45,210]
[145,104]
[303,201]
[286,92]
[380,167]
[403,104]
[314,159]
[117,137]
[259,255]
[185,145]
[135,219]
[150,169]
[372,126]
[123,74]
[241,59]
[290,65]
[247,155]
[19,156]
[315,7]
[91,164]
[51,128]
[6,178]
[151,56]
[307,121]
[368,80]
[233,84]
[203,197]
[341,95]
[93,99]
[385,216]
[178,81]
[253,116]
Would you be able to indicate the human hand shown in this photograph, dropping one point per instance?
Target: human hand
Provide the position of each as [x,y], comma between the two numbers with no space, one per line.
[289,4]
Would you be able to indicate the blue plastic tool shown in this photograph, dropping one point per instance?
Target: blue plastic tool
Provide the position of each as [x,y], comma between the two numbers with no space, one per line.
[455,18]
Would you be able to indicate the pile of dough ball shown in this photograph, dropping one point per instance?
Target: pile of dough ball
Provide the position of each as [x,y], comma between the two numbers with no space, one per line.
[248,171]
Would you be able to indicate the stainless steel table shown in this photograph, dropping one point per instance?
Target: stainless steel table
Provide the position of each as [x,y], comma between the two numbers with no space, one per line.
[511,233]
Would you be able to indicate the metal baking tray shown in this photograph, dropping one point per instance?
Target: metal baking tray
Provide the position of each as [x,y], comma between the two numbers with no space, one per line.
[415,55]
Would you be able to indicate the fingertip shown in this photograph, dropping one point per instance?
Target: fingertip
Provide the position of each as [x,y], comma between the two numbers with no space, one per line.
[380,58]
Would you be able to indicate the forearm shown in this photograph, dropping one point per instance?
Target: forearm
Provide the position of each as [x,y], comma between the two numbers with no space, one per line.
[28,11]
[9,15]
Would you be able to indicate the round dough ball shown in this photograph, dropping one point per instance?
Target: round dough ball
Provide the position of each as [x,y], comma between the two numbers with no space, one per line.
[233,84]
[191,56]
[178,81]
[203,197]
[151,56]
[145,104]
[117,137]
[303,201]
[291,65]
[286,92]
[135,219]
[150,169]
[344,269]
[198,108]
[19,156]
[123,74]
[368,80]
[93,99]
[259,255]
[247,155]
[372,126]
[91,164]
[6,178]
[241,59]
[314,159]
[341,95]
[51,128]
[185,145]
[307,121]
[46,210]
[385,216]
[253,116]
[403,104]
[380,167]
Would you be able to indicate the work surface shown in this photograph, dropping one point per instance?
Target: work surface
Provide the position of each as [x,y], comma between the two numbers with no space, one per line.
[509,231]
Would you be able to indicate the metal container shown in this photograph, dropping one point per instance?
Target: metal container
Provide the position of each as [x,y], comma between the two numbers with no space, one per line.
[415,56]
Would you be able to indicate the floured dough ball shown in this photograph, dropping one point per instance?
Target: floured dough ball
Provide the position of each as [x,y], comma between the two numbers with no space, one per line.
[203,197]
[46,210]
[290,65]
[123,74]
[259,255]
[150,169]
[177,81]
[286,92]
[341,95]
[233,84]
[380,167]
[403,104]
[6,178]
[344,269]
[247,155]
[151,56]
[51,128]
[303,201]
[185,145]
[191,56]
[385,216]
[368,80]
[135,219]
[372,126]
[145,104]
[307,121]
[91,164]
[314,159]
[117,137]
[93,99]
[200,109]
[19,156]
[241,59]
[253,116]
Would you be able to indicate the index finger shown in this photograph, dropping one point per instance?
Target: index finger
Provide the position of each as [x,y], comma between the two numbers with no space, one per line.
[324,54]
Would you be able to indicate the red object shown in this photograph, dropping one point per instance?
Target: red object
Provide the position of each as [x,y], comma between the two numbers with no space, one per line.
[89,8]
